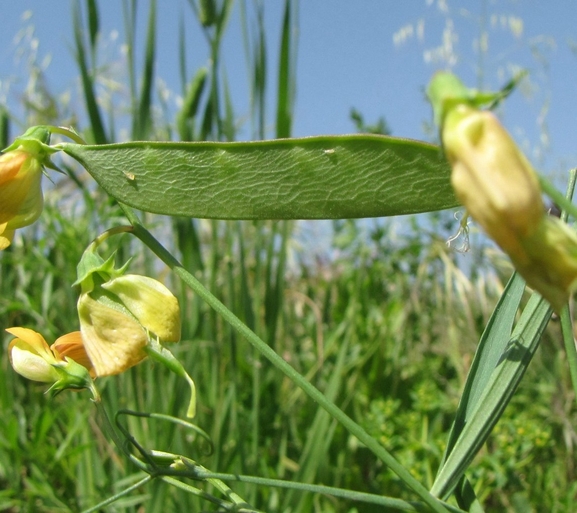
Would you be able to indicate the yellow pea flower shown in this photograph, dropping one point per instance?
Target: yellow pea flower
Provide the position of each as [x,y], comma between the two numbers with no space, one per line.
[65,364]
[125,317]
[21,167]
[21,200]
[501,190]
[492,178]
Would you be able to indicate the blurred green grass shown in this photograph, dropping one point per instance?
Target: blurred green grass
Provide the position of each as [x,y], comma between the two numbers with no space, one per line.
[386,327]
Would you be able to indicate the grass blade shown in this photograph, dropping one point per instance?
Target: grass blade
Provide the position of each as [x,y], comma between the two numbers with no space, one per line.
[286,81]
[142,119]
[316,395]
[94,115]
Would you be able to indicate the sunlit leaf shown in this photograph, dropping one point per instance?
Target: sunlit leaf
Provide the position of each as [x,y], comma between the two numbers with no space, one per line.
[325,177]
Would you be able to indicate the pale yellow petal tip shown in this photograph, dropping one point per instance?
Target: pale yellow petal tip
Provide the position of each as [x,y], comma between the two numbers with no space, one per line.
[6,238]
[33,341]
[549,261]
[30,364]
[155,307]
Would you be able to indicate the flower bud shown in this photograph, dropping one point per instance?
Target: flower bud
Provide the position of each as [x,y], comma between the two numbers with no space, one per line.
[71,346]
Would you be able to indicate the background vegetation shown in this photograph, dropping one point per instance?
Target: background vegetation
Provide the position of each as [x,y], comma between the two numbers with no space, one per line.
[386,327]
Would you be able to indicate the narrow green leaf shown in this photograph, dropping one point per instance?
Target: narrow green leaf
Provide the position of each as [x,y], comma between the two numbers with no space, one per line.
[93,24]
[92,107]
[142,121]
[222,19]
[324,177]
[466,497]
[506,376]
[182,53]
[285,76]
[566,317]
[493,343]
[4,127]
[129,16]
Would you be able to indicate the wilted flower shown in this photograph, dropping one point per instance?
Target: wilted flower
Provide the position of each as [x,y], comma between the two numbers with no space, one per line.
[501,191]
[64,364]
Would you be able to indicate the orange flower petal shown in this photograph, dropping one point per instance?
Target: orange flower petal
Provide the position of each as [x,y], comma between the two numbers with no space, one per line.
[71,346]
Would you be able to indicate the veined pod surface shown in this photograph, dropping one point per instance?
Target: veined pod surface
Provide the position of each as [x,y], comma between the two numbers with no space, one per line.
[321,177]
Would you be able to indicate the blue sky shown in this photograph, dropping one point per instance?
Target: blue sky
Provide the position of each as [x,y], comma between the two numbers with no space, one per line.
[352,54]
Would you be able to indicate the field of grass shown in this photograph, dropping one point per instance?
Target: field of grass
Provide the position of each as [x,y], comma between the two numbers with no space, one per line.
[383,322]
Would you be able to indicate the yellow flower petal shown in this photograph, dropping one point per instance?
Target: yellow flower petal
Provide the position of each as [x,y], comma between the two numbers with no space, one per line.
[35,341]
[6,236]
[31,357]
[155,307]
[549,262]
[10,164]
[501,191]
[491,177]
[21,200]
[113,340]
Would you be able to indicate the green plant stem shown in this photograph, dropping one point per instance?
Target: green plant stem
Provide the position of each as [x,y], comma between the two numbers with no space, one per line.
[106,235]
[566,323]
[118,495]
[316,395]
[370,498]
[569,342]
[562,201]
[159,353]
[190,469]
[239,507]
[68,132]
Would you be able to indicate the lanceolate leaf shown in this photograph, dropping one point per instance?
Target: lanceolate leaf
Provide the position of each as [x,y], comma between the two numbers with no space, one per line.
[325,177]
[498,388]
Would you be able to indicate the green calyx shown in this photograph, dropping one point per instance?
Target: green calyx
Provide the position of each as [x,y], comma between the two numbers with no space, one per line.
[446,91]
